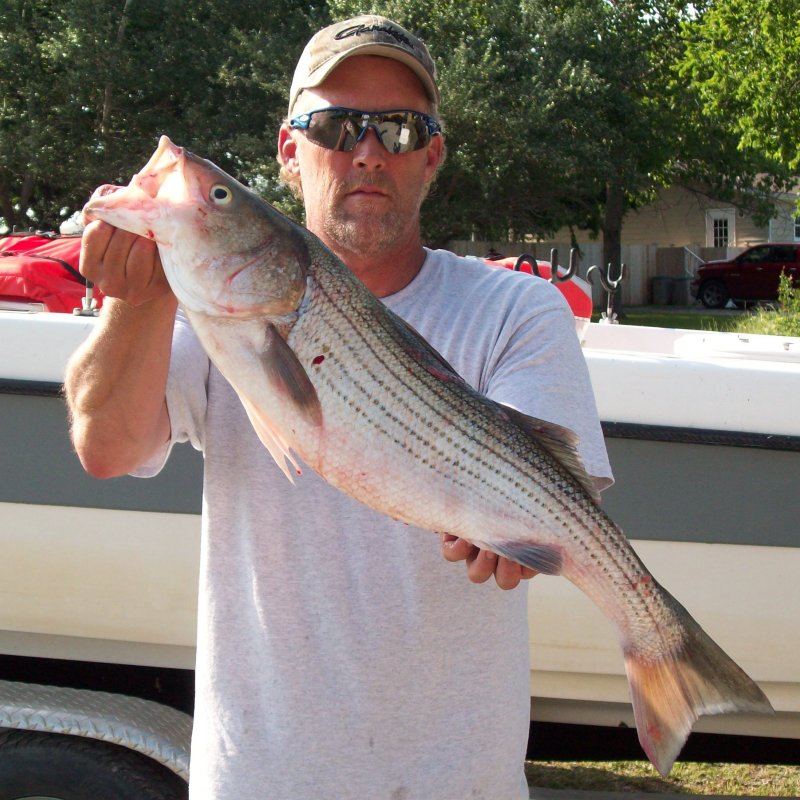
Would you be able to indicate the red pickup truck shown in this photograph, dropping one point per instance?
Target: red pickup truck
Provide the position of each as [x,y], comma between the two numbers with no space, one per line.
[752,276]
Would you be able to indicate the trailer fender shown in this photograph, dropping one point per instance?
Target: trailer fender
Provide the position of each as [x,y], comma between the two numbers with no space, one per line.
[152,729]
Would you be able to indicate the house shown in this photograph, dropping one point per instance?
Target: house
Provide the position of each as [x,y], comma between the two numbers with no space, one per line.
[667,238]
[682,218]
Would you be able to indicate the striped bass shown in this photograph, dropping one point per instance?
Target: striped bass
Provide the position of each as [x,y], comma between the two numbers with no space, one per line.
[329,375]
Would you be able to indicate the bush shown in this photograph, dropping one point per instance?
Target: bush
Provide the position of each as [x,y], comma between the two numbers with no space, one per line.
[781,321]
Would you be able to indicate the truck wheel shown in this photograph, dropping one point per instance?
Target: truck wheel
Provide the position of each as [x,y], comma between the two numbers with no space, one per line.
[713,294]
[51,766]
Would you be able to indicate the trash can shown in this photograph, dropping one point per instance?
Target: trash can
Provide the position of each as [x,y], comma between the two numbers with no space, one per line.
[681,296]
[662,290]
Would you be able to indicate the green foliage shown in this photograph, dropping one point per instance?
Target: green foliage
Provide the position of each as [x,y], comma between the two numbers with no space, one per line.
[567,113]
[781,321]
[743,56]
[557,113]
[86,88]
[545,103]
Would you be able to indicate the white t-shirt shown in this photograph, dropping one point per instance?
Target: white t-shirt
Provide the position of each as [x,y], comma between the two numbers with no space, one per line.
[339,656]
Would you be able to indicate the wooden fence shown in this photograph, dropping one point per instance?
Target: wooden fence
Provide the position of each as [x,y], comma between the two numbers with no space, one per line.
[645,266]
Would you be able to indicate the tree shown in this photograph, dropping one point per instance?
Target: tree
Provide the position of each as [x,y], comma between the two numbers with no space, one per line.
[558,112]
[521,156]
[563,113]
[86,88]
[743,57]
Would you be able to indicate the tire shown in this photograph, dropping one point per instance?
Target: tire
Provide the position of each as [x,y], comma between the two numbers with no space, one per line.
[53,766]
[714,294]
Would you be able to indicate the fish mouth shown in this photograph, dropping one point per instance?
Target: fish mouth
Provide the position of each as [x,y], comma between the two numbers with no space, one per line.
[166,159]
[132,207]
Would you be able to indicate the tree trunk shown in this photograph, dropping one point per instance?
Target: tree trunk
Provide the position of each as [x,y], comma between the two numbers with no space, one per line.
[108,93]
[7,208]
[612,237]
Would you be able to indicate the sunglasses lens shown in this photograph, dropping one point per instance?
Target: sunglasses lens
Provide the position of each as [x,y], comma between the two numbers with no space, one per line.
[402,133]
[334,130]
[340,129]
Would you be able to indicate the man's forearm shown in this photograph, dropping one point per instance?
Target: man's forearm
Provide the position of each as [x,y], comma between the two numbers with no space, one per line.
[116,384]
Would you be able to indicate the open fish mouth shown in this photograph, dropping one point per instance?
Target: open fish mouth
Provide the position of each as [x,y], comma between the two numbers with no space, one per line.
[138,206]
[167,158]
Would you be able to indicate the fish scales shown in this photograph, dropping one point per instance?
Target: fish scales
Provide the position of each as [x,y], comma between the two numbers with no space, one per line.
[421,401]
[326,372]
[481,444]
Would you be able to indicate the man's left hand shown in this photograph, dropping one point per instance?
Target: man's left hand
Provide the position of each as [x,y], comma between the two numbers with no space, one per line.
[482,564]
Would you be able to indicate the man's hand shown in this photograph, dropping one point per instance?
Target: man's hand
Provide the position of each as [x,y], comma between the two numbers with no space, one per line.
[482,564]
[122,264]
[115,382]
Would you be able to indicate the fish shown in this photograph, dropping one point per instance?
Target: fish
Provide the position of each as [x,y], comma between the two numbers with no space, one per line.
[328,375]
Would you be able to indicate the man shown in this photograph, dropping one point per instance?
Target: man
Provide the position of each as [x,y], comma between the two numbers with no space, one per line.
[339,654]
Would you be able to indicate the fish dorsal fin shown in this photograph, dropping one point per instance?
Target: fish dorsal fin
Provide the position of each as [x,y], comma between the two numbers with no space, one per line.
[424,353]
[560,442]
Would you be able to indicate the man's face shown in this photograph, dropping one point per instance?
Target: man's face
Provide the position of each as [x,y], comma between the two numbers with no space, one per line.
[365,201]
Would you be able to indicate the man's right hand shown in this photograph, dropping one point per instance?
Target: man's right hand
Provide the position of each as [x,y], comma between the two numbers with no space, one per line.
[121,264]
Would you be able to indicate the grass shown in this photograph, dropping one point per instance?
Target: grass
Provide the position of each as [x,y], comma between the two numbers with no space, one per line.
[781,320]
[685,778]
[689,318]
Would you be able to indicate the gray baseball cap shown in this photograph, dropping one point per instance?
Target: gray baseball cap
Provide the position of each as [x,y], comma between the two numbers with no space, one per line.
[364,35]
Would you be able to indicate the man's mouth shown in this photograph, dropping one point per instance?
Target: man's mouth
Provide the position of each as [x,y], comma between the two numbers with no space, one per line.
[368,191]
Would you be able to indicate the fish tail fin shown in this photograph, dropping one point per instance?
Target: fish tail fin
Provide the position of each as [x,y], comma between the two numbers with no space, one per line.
[670,692]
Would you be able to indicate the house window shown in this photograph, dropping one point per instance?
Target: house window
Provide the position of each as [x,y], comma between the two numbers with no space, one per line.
[720,235]
[720,224]
[797,229]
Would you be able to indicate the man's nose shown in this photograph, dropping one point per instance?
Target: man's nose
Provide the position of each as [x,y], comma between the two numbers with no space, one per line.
[369,153]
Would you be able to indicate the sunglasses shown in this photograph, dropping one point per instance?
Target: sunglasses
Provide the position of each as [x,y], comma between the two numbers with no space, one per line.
[336,128]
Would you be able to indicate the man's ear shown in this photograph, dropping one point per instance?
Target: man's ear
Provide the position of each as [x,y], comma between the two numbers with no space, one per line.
[287,150]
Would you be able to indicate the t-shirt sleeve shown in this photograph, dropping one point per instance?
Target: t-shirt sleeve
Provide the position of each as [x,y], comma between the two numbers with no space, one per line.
[187,396]
[539,369]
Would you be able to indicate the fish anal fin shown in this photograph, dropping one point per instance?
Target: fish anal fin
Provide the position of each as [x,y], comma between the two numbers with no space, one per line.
[287,376]
[543,558]
[670,693]
[560,442]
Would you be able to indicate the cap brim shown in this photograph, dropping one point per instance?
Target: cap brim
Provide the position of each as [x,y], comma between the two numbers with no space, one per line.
[382,49]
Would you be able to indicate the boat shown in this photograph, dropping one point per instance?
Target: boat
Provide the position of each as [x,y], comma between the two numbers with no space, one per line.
[703,435]
[704,439]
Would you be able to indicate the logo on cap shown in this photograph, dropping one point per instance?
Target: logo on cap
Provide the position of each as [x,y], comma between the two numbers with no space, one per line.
[358,30]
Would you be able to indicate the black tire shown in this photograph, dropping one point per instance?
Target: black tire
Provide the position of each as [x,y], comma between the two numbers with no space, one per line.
[50,765]
[714,294]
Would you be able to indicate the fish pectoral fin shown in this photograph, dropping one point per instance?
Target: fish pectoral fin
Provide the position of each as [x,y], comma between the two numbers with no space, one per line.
[287,376]
[560,442]
[272,439]
[543,558]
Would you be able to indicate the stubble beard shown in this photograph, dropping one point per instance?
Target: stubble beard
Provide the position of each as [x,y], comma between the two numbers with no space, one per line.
[372,231]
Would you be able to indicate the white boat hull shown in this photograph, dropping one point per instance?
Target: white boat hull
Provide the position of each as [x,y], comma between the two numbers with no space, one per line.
[107,571]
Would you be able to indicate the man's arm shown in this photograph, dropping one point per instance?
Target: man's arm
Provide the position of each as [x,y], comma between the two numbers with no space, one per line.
[116,381]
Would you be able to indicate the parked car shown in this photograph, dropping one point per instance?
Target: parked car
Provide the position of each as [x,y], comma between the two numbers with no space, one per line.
[752,276]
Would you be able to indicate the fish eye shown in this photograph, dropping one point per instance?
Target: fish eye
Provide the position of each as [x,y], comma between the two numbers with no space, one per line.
[220,194]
